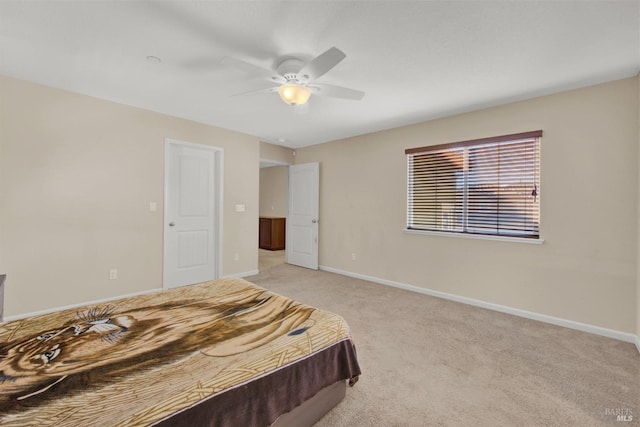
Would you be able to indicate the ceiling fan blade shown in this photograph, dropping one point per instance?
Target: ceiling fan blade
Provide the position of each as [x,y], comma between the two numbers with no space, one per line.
[322,63]
[336,91]
[256,91]
[252,69]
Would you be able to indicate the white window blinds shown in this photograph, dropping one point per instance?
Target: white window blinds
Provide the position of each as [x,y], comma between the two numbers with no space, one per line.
[486,186]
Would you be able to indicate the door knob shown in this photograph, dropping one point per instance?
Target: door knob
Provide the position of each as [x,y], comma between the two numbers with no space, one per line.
[315,221]
[171,224]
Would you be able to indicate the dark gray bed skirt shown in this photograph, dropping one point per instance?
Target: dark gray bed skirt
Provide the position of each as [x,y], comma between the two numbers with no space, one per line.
[260,402]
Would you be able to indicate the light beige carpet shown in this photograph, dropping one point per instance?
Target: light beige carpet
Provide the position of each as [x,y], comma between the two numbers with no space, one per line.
[432,362]
[268,259]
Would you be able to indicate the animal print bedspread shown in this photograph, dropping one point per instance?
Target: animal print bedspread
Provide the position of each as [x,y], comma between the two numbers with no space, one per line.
[137,361]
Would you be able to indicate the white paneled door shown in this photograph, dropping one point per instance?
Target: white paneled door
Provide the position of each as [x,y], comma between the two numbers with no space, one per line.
[302,220]
[191,213]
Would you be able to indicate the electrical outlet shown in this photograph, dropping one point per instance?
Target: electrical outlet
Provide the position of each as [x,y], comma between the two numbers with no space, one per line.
[113,274]
[353,256]
[236,257]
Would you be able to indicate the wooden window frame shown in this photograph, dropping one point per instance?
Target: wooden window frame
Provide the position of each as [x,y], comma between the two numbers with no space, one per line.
[481,222]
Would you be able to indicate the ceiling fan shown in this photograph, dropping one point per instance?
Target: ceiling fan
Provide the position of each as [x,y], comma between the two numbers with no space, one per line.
[296,80]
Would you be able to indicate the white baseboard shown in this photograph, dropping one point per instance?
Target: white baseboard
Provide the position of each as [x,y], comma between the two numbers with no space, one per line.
[81,304]
[244,274]
[584,327]
[105,300]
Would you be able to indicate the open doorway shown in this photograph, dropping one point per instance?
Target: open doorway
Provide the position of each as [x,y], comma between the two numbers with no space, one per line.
[274,179]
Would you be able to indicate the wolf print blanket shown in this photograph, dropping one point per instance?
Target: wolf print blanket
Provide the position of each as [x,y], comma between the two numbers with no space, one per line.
[136,361]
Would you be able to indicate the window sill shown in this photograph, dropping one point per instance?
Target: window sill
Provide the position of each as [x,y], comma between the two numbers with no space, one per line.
[538,241]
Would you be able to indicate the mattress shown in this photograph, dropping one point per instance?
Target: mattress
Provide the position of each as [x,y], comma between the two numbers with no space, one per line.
[225,352]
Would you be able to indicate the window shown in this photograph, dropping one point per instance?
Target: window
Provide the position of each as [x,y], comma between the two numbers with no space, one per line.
[488,186]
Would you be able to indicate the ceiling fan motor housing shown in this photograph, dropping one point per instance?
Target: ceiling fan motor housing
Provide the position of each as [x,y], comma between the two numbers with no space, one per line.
[289,69]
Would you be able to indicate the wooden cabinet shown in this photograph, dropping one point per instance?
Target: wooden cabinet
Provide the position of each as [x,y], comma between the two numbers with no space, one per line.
[272,233]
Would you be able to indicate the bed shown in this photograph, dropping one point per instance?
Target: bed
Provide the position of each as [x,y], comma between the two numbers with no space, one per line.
[221,353]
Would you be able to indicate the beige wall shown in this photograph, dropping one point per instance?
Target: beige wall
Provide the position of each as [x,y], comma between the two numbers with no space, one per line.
[274,184]
[638,261]
[274,180]
[586,269]
[76,178]
[276,153]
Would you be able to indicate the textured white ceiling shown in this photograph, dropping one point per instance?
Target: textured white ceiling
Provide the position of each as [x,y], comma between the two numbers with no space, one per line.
[416,60]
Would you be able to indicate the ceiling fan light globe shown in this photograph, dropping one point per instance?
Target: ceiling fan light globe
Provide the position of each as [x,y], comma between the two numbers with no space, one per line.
[294,94]
[302,95]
